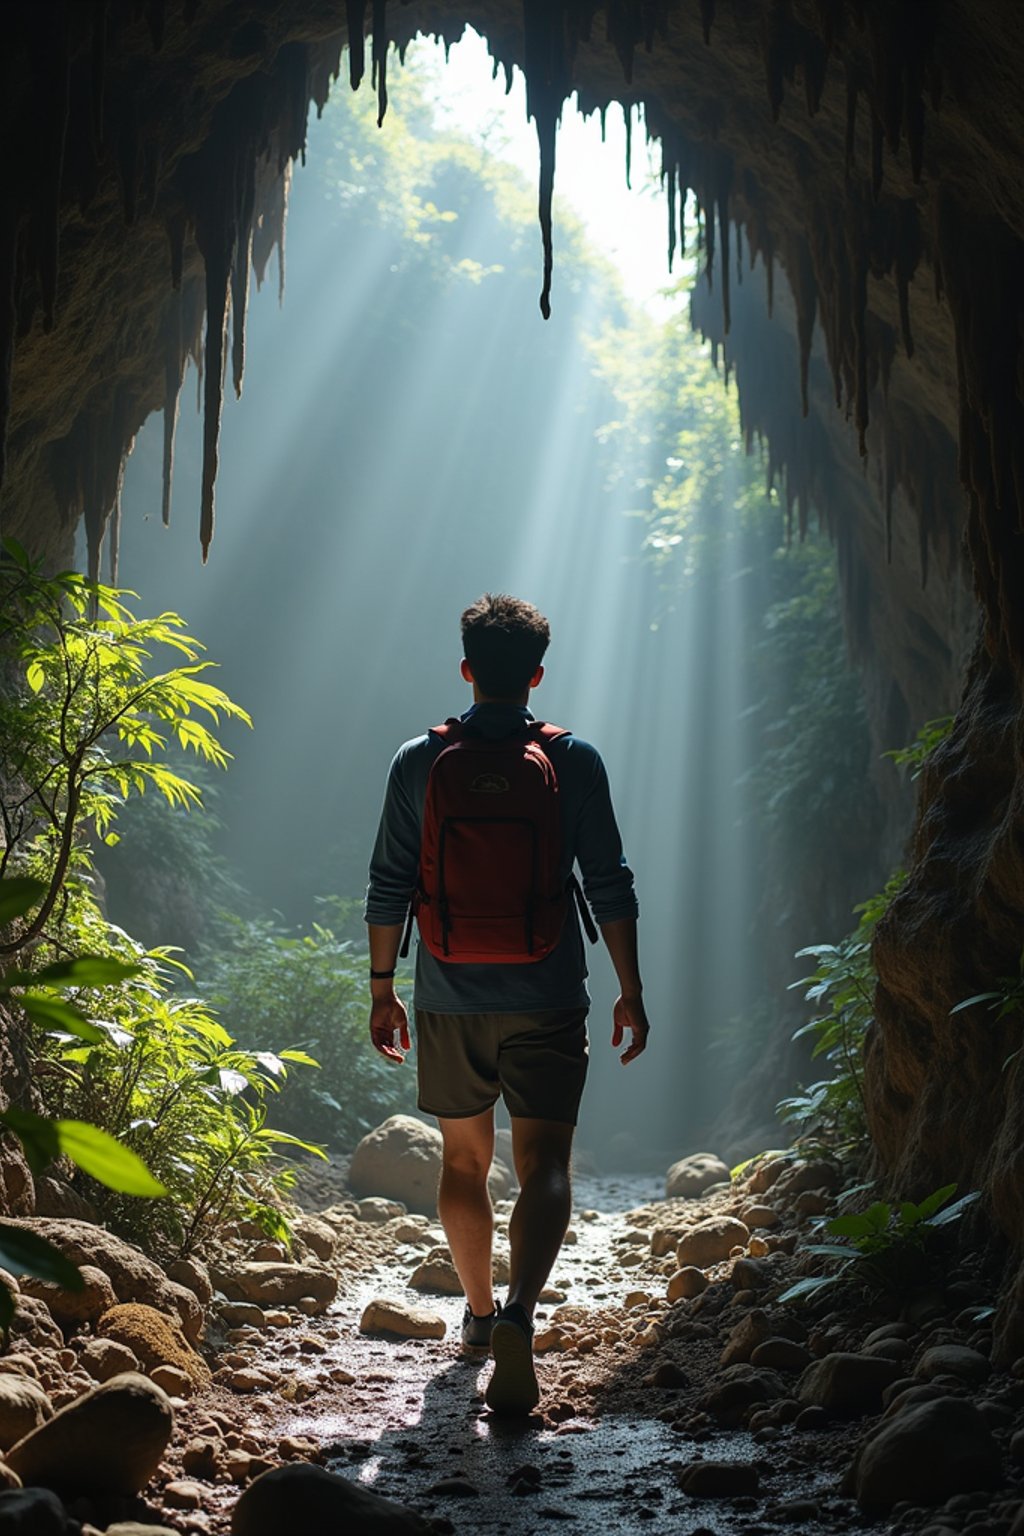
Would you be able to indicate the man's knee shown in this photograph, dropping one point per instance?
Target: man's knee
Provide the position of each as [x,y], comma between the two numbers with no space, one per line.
[468,1147]
[541,1148]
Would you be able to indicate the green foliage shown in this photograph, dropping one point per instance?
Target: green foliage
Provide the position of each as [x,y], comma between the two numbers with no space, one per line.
[920,749]
[1005,1001]
[169,1084]
[887,1248]
[807,784]
[85,719]
[310,992]
[842,987]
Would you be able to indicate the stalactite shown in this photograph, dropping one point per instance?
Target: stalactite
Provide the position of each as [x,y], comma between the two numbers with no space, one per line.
[355,14]
[547,84]
[627,114]
[670,198]
[908,252]
[707,18]
[239,305]
[115,523]
[282,225]
[380,57]
[724,182]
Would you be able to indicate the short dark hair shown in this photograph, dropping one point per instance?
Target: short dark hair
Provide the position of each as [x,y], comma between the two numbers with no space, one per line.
[504,640]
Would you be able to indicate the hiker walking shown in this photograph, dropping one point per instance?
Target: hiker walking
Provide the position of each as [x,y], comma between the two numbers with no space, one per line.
[485,818]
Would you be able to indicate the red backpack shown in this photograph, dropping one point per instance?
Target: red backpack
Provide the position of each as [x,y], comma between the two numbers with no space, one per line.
[490,889]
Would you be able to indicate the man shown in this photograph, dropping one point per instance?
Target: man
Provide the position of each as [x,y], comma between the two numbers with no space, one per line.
[519,1027]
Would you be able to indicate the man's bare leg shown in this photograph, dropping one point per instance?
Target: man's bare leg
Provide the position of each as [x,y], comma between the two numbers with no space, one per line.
[541,1150]
[464,1204]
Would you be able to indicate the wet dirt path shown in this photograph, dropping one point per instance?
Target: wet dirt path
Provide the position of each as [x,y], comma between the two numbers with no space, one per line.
[406,1417]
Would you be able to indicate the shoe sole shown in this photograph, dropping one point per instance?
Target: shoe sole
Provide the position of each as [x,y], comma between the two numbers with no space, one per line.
[513,1387]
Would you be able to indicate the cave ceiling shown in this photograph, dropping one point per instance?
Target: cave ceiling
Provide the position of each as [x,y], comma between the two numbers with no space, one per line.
[872,152]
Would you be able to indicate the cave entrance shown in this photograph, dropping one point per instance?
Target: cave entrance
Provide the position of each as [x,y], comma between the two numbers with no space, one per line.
[417,434]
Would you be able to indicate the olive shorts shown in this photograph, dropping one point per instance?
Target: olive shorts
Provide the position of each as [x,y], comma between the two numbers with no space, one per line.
[536,1061]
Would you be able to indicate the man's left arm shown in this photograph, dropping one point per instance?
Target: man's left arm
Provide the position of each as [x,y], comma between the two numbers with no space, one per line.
[608,887]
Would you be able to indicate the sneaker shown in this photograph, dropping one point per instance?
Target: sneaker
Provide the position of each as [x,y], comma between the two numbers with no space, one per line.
[512,1389]
[476,1331]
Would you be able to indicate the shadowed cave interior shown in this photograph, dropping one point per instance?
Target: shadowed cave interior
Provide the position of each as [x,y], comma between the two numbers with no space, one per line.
[846,179]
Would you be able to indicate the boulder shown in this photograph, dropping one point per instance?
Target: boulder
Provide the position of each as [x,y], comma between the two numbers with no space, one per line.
[767,1171]
[154,1339]
[737,1389]
[133,1276]
[780,1354]
[316,1234]
[711,1241]
[23,1407]
[718,1479]
[385,1316]
[968,1365]
[801,1176]
[33,1324]
[278,1285]
[72,1307]
[174,1381]
[138,1528]
[399,1159]
[194,1276]
[925,1454]
[31,1512]
[691,1176]
[109,1441]
[300,1497]
[242,1314]
[847,1385]
[760,1217]
[745,1337]
[436,1272]
[685,1283]
[103,1359]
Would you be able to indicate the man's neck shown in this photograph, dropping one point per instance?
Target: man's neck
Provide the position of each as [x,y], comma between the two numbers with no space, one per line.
[521,703]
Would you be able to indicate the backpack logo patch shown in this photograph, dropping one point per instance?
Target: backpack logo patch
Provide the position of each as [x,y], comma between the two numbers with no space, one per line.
[490,784]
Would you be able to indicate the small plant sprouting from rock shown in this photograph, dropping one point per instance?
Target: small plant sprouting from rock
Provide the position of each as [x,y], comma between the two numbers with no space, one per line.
[843,987]
[887,1248]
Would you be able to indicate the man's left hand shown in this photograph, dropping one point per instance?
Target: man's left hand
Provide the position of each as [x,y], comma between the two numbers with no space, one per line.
[629,1013]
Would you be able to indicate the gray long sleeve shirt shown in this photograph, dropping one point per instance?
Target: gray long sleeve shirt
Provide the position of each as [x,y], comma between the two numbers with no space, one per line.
[590,839]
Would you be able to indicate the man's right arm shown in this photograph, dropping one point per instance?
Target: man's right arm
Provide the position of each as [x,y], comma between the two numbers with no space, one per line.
[394,867]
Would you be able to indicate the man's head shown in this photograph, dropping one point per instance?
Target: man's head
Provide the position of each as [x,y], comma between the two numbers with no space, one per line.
[504,640]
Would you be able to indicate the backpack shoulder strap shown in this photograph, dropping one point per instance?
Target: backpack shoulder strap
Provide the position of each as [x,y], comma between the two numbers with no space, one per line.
[449,731]
[544,732]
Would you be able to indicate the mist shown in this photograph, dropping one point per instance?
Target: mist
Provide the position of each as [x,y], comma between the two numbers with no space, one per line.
[411,435]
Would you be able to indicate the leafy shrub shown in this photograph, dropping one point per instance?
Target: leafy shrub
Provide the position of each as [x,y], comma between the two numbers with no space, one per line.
[84,720]
[889,1248]
[172,1085]
[843,986]
[310,992]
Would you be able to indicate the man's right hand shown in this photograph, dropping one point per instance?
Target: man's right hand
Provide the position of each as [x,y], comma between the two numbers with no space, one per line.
[388,1018]
[629,1013]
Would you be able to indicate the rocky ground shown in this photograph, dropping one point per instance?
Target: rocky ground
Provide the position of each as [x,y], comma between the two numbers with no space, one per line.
[679,1395]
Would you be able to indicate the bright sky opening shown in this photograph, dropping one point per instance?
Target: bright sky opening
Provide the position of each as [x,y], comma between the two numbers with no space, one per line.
[629,227]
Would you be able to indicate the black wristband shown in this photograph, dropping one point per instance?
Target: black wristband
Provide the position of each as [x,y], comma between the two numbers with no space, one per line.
[380,975]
